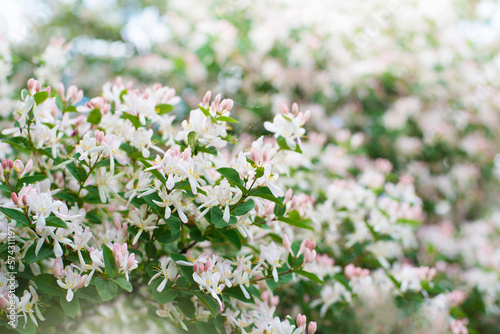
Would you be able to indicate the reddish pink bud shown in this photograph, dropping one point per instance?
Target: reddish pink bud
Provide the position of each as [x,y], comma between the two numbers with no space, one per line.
[14,198]
[311,329]
[265,157]
[226,105]
[206,98]
[195,268]
[131,260]
[57,269]
[301,321]
[295,108]
[264,296]
[208,265]
[285,109]
[25,200]
[32,86]
[274,301]
[255,155]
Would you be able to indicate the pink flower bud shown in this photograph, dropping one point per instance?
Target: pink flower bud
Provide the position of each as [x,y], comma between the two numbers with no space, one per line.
[118,259]
[3,303]
[264,296]
[195,268]
[57,269]
[288,195]
[226,105]
[14,198]
[301,321]
[32,86]
[255,155]
[265,157]
[208,265]
[295,109]
[131,261]
[287,244]
[117,223]
[311,329]
[285,109]
[274,301]
[206,99]
[60,90]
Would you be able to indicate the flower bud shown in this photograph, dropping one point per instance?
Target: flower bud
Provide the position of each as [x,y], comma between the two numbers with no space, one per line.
[311,329]
[301,321]
[14,198]
[57,269]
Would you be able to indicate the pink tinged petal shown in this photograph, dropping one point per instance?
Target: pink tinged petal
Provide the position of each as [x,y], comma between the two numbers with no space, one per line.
[277,192]
[227,215]
[102,195]
[69,295]
[170,182]
[137,237]
[131,261]
[162,285]
[275,274]
[194,185]
[58,252]
[182,216]
[245,292]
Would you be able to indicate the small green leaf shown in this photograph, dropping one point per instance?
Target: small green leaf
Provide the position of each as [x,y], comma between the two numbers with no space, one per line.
[31,179]
[136,122]
[209,301]
[70,308]
[109,261]
[94,116]
[107,289]
[122,94]
[44,252]
[232,236]
[309,275]
[186,306]
[163,109]
[79,173]
[204,111]
[259,172]
[272,284]
[236,293]
[243,208]
[295,222]
[284,146]
[47,283]
[18,216]
[56,222]
[264,192]
[226,119]
[192,139]
[230,174]
[123,283]
[166,295]
[40,97]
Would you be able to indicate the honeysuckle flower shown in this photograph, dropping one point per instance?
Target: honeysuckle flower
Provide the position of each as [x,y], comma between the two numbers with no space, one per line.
[111,148]
[174,199]
[168,269]
[125,261]
[28,306]
[272,255]
[289,125]
[71,280]
[106,183]
[143,221]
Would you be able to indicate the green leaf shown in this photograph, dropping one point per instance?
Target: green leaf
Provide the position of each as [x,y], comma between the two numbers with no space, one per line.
[209,301]
[163,109]
[70,308]
[409,222]
[107,289]
[236,293]
[123,93]
[104,163]
[284,146]
[204,111]
[123,283]
[272,284]
[210,150]
[133,119]
[230,174]
[18,216]
[309,275]
[55,222]
[79,173]
[31,179]
[40,97]
[259,172]
[243,208]
[47,284]
[232,236]
[30,326]
[295,222]
[226,119]
[44,252]
[167,295]
[186,306]
[156,173]
[109,261]
[20,142]
[264,192]
[192,139]
[94,116]
[25,93]
[217,218]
